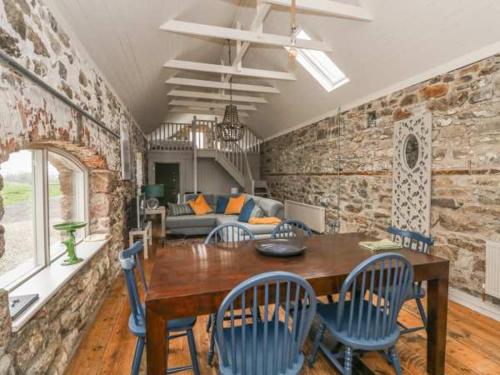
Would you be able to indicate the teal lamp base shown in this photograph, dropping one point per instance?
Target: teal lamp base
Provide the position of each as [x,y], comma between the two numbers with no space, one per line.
[70,229]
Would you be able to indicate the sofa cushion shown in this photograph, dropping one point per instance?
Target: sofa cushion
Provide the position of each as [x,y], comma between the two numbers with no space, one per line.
[235,205]
[200,205]
[255,229]
[256,211]
[179,209]
[269,206]
[246,211]
[220,206]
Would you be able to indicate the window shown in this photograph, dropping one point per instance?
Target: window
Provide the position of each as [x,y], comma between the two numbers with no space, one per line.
[41,188]
[320,66]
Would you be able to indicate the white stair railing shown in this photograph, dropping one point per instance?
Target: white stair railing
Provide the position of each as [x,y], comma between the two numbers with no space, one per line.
[179,137]
[234,159]
[201,135]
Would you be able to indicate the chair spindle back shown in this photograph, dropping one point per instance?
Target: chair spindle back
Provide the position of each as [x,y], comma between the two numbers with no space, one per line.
[362,313]
[283,334]
[412,240]
[130,260]
[291,228]
[229,233]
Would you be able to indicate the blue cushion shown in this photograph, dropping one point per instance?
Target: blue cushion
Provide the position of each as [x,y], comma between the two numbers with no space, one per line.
[222,202]
[246,211]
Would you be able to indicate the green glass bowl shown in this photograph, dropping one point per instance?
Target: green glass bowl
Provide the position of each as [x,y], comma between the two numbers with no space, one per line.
[71,226]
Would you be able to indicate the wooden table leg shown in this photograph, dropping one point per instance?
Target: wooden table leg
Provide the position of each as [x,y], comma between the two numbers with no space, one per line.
[156,343]
[437,307]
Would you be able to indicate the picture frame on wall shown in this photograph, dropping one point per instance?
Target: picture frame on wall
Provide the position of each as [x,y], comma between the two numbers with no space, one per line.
[125,151]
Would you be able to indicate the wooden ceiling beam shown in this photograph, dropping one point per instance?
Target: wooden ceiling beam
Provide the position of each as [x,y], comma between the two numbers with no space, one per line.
[223,69]
[221,85]
[328,7]
[203,111]
[191,28]
[194,103]
[216,96]
[257,25]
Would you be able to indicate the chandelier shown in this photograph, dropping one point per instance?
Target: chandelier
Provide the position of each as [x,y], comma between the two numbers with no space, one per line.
[230,129]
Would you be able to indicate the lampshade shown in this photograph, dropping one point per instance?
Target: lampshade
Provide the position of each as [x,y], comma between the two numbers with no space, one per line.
[154,191]
[230,129]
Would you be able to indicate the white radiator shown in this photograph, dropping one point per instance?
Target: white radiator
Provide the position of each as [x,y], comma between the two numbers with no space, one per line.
[492,285]
[312,216]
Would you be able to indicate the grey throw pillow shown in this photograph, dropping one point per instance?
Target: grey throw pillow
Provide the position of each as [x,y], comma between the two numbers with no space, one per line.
[179,209]
[257,212]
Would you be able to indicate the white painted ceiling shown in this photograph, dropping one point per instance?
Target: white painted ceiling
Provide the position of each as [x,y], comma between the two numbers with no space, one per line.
[405,39]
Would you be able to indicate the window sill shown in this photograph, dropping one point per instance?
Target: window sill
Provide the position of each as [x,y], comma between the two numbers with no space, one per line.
[51,279]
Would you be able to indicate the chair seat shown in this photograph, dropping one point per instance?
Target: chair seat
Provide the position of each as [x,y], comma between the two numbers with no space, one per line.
[173,325]
[415,291]
[261,352]
[328,314]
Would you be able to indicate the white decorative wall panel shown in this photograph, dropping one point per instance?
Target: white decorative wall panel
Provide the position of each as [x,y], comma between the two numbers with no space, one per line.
[411,190]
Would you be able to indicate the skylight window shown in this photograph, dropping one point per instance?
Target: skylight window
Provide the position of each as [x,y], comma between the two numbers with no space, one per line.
[320,66]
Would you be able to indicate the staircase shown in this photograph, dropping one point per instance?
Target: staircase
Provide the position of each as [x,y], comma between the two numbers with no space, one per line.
[261,189]
[233,157]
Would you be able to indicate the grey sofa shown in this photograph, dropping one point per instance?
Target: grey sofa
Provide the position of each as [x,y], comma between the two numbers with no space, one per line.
[190,225]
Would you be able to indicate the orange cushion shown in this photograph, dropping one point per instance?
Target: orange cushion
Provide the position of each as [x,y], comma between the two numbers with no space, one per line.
[200,205]
[235,205]
[264,220]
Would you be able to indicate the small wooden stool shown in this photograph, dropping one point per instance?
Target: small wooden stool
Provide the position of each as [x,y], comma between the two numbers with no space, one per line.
[147,236]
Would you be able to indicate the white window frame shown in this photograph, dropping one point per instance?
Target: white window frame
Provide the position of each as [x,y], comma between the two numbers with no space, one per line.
[41,211]
[329,77]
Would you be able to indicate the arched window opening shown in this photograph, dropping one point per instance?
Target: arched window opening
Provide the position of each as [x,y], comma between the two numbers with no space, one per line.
[41,188]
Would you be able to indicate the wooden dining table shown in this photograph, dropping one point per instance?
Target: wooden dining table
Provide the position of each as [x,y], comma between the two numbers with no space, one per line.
[192,280]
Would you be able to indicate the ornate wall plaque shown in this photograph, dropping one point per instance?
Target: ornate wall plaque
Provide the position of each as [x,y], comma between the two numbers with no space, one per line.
[411,188]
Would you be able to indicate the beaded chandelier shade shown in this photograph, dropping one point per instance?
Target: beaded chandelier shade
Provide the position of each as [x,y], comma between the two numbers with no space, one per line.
[230,129]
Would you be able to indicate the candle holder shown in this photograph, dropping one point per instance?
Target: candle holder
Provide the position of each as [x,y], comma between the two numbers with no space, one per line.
[70,228]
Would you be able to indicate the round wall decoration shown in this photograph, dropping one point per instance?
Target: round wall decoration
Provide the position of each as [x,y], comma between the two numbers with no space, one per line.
[411,151]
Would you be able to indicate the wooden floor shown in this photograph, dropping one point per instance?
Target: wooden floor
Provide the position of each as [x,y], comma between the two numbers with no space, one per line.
[473,345]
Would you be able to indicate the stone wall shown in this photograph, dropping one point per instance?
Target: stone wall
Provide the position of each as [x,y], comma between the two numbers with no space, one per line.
[30,116]
[465,105]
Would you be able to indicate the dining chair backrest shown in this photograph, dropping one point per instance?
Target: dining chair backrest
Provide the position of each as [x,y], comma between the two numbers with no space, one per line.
[282,334]
[229,233]
[130,262]
[372,295]
[412,240]
[291,228]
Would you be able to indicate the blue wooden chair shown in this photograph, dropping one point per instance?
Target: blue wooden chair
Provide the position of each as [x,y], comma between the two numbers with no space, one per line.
[130,262]
[291,228]
[418,242]
[362,320]
[230,235]
[270,345]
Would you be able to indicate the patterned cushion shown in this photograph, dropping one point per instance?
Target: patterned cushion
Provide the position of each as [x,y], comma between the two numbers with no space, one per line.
[257,211]
[179,209]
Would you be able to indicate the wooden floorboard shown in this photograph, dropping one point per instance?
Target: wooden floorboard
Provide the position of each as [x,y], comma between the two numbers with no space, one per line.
[473,343]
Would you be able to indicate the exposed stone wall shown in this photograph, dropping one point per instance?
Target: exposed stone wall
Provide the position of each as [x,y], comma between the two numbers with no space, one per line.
[29,116]
[465,105]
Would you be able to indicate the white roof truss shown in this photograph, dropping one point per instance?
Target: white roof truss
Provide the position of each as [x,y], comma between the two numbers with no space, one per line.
[225,69]
[328,7]
[216,96]
[196,104]
[221,85]
[204,111]
[199,29]
[243,40]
